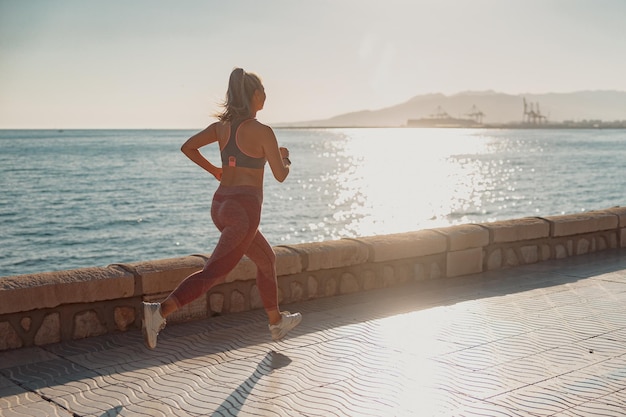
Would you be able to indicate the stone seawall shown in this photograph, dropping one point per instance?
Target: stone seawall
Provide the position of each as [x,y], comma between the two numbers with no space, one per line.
[45,308]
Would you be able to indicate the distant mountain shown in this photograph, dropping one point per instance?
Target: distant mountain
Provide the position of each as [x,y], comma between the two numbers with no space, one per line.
[497,108]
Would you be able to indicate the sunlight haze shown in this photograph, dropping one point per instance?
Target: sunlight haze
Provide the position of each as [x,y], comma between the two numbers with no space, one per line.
[160,64]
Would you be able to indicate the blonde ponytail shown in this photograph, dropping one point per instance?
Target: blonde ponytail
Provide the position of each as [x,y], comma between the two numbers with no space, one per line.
[241,88]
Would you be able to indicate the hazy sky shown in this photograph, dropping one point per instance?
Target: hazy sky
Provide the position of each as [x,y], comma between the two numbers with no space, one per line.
[165,64]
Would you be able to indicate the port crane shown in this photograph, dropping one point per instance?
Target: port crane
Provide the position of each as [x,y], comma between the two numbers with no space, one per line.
[532,114]
[476,114]
[440,113]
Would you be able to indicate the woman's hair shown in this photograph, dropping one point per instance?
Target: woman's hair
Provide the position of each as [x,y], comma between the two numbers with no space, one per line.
[241,88]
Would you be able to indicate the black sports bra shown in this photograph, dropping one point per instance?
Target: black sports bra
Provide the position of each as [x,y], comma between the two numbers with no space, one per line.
[233,156]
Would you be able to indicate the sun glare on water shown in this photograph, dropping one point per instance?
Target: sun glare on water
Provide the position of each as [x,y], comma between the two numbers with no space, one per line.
[407,183]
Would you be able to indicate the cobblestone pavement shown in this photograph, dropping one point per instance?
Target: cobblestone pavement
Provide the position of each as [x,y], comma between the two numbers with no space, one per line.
[542,340]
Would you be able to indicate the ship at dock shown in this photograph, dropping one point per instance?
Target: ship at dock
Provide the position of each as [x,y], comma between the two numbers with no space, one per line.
[441,119]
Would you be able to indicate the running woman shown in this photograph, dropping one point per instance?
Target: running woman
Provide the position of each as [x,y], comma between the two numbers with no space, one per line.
[246,145]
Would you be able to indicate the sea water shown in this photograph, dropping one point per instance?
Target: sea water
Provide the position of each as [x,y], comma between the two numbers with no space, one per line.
[81,198]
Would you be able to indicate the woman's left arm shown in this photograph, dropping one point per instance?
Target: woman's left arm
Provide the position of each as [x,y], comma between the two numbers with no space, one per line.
[277,157]
[191,148]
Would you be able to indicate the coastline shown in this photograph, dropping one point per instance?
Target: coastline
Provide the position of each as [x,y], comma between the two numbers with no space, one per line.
[512,126]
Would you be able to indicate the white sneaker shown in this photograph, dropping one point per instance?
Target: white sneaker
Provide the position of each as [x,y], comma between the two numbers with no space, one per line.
[152,323]
[288,322]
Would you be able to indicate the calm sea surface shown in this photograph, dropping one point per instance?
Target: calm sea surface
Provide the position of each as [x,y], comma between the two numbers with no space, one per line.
[85,198]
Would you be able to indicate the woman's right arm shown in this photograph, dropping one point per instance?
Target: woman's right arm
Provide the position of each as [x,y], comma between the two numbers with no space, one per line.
[191,148]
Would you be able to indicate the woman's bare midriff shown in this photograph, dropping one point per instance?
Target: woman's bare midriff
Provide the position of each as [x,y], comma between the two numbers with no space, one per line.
[233,176]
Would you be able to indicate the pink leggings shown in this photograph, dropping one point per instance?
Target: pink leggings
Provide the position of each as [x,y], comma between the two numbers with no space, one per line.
[236,211]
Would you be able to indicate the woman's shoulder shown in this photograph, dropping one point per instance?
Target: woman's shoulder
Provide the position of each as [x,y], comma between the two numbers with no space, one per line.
[219,127]
[258,128]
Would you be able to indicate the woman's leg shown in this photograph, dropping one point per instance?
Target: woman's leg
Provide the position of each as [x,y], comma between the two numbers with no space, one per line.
[262,254]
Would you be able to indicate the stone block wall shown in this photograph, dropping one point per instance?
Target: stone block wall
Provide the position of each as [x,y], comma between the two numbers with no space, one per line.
[45,308]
